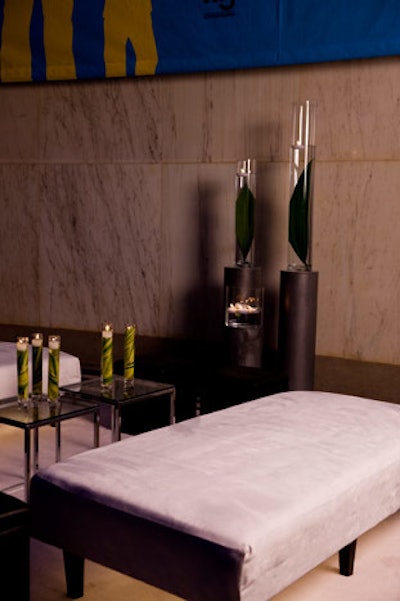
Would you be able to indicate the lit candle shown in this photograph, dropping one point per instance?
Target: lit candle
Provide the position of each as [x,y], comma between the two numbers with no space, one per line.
[22,370]
[37,365]
[54,345]
[107,355]
[129,353]
[244,313]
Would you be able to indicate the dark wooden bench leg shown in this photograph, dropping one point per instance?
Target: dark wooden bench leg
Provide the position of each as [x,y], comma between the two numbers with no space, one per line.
[346,559]
[74,574]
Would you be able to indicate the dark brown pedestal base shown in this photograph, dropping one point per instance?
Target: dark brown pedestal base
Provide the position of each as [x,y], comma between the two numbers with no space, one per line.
[244,346]
[297,327]
[244,343]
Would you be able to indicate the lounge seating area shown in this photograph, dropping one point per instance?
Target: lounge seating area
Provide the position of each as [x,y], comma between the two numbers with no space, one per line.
[301,431]
[199,245]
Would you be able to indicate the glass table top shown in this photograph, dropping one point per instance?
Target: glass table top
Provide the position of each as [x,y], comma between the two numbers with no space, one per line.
[118,392]
[43,412]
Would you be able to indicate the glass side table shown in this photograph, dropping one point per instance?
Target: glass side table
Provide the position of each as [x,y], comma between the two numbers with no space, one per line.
[42,414]
[119,395]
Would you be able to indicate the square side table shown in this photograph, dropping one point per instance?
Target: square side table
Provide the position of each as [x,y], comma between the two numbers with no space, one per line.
[119,395]
[42,414]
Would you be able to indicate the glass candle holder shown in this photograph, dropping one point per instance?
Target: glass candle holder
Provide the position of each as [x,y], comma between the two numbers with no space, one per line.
[37,365]
[301,185]
[244,211]
[244,310]
[54,345]
[244,297]
[22,370]
[129,353]
[107,335]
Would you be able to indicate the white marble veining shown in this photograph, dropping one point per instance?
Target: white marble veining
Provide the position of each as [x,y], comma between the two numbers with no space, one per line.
[183,130]
[110,120]
[249,114]
[100,245]
[124,193]
[356,254]
[20,234]
[358,108]
[19,123]
[219,117]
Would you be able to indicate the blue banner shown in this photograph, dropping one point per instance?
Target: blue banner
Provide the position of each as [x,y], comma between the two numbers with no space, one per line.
[313,31]
[82,39]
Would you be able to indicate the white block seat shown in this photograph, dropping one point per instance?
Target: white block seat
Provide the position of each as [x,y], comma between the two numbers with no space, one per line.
[230,506]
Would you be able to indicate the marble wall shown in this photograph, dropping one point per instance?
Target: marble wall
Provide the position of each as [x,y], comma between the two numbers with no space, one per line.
[118,200]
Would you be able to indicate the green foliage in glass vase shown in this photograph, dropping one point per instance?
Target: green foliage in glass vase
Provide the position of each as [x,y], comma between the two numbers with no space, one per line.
[245,220]
[299,215]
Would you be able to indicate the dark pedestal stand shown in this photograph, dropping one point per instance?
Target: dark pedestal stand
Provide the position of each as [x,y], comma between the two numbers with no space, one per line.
[244,343]
[297,327]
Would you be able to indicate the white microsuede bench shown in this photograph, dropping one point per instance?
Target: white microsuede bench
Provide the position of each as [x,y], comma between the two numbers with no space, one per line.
[230,506]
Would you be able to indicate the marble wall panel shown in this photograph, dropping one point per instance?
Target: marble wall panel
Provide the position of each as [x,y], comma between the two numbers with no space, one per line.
[19,122]
[184,135]
[20,232]
[133,212]
[356,253]
[198,242]
[112,120]
[100,246]
[358,108]
[249,114]
[228,116]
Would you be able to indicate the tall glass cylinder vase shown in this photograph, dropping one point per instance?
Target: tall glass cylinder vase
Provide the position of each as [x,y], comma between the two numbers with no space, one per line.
[37,366]
[301,186]
[107,356]
[244,211]
[129,354]
[54,346]
[22,371]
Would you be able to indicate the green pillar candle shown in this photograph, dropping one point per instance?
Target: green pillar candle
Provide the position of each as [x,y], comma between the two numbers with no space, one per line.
[54,367]
[107,355]
[129,353]
[22,370]
[37,365]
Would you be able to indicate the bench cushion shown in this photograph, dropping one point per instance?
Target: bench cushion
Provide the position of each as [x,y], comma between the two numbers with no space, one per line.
[231,505]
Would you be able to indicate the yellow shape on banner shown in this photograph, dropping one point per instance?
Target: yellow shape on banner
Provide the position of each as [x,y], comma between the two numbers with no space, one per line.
[60,63]
[16,56]
[129,20]
[15,46]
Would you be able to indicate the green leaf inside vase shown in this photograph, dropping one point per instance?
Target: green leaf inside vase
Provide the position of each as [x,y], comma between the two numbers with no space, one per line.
[245,203]
[299,215]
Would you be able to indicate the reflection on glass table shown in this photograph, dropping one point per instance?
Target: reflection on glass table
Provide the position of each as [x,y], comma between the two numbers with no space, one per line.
[44,413]
[118,395]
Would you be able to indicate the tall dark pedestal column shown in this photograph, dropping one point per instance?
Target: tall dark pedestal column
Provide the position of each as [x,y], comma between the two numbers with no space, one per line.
[244,335]
[297,327]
